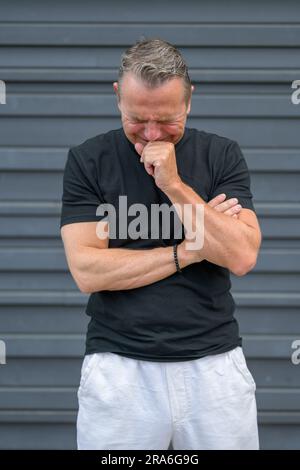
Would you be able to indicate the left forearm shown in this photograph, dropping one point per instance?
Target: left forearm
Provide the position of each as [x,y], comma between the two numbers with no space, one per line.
[227,242]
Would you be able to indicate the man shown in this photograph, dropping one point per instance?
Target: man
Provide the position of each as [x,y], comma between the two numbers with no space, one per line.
[163,360]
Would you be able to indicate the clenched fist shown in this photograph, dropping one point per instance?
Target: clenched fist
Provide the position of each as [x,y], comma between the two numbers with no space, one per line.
[160,162]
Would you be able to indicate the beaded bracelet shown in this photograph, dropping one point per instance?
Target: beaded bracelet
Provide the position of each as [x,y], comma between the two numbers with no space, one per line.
[176,258]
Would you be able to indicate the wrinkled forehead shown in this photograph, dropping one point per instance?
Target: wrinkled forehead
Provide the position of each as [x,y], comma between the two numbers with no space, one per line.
[161,102]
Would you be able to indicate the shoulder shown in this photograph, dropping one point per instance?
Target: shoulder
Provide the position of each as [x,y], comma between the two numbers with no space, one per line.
[87,157]
[217,150]
[212,140]
[94,146]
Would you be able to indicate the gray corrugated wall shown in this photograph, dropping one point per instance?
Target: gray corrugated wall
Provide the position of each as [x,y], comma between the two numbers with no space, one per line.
[59,59]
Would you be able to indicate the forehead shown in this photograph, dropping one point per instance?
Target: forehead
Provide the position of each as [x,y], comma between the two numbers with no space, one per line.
[165,98]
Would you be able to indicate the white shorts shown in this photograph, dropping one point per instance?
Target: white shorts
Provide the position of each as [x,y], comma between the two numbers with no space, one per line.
[206,403]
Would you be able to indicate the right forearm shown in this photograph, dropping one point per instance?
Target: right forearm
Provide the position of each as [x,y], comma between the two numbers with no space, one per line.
[120,269]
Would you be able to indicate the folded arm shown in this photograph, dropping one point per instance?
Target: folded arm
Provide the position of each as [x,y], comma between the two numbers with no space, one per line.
[96,267]
[228,242]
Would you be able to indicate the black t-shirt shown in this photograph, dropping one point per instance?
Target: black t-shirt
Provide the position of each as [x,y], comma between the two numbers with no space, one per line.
[187,315]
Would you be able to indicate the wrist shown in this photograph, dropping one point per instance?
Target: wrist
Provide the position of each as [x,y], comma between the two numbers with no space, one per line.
[185,256]
[175,255]
[174,188]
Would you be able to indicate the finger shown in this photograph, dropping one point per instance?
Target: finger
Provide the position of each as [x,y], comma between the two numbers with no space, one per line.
[217,200]
[222,207]
[233,210]
[149,168]
[139,148]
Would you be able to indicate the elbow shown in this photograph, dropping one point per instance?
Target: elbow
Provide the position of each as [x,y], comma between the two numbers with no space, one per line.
[244,266]
[82,273]
[247,262]
[84,289]
[84,283]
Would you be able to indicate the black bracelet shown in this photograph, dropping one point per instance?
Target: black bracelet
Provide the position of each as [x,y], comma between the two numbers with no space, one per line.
[176,258]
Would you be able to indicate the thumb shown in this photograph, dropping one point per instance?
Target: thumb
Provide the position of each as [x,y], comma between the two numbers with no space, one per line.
[139,148]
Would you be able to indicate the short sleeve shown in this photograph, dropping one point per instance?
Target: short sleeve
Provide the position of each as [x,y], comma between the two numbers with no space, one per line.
[233,177]
[81,194]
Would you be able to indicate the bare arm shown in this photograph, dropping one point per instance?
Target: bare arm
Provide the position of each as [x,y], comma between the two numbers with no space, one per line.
[233,244]
[96,267]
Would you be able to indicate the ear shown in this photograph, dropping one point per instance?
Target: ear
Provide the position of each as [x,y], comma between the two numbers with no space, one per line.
[189,103]
[116,90]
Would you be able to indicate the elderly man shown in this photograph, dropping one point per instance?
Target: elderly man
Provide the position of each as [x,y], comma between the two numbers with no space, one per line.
[163,361]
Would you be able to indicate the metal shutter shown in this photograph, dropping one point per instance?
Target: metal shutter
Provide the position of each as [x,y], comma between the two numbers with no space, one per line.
[58,61]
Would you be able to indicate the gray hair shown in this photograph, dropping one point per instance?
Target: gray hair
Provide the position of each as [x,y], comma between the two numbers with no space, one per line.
[155,61]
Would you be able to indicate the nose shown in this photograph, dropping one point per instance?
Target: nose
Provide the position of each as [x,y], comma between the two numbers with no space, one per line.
[152,131]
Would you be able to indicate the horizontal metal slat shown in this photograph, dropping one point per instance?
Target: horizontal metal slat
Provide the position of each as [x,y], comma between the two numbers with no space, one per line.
[70,131]
[90,104]
[53,159]
[219,75]
[181,34]
[58,345]
[50,259]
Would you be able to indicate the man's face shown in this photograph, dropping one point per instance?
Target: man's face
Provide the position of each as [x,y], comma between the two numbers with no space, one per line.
[150,114]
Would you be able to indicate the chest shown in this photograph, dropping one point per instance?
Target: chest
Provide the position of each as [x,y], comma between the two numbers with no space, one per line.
[142,213]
